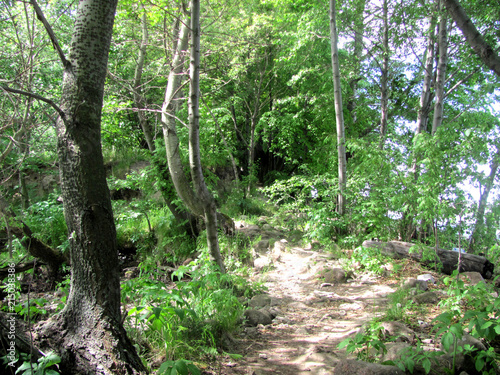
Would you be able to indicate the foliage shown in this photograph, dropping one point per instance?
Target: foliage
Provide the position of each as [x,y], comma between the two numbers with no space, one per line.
[181,367]
[41,367]
[369,259]
[189,319]
[46,219]
[367,343]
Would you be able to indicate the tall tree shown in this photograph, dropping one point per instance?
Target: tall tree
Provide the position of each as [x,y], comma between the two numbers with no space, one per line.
[441,67]
[88,333]
[339,115]
[198,200]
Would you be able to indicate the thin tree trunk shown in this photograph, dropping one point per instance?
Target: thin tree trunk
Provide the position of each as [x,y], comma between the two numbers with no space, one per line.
[180,214]
[338,110]
[426,96]
[359,30]
[384,91]
[88,334]
[199,184]
[441,68]
[483,200]
[168,118]
[138,96]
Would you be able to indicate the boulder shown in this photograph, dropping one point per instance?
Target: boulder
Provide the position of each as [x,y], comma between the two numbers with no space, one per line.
[254,317]
[334,275]
[260,300]
[399,331]
[427,277]
[472,278]
[426,298]
[415,283]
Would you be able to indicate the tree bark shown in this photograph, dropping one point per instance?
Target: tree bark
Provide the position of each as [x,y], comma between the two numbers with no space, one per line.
[448,259]
[426,95]
[199,201]
[88,334]
[199,184]
[180,214]
[384,91]
[441,68]
[486,52]
[341,157]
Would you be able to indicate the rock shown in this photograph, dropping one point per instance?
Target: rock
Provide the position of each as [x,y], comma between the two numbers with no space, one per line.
[426,298]
[395,351]
[472,278]
[261,263]
[301,252]
[278,248]
[261,247]
[255,317]
[260,300]
[352,367]
[415,283]
[427,277]
[267,227]
[334,275]
[398,330]
[313,245]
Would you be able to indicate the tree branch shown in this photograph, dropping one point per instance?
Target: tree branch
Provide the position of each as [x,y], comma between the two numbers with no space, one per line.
[486,52]
[35,96]
[52,36]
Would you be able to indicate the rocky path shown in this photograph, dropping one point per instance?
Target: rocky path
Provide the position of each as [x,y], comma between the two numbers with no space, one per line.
[311,317]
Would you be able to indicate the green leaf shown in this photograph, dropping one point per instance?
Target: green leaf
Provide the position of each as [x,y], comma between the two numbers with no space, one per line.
[181,367]
[193,369]
[426,364]
[447,340]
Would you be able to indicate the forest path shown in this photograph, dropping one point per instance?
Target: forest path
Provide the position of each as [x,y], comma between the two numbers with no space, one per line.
[311,318]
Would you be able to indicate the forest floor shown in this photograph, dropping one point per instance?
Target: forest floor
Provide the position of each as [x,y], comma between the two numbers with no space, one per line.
[312,317]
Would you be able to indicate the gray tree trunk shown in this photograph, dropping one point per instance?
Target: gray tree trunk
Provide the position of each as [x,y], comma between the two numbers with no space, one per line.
[384,91]
[485,51]
[88,334]
[199,184]
[338,110]
[199,201]
[441,68]
[426,96]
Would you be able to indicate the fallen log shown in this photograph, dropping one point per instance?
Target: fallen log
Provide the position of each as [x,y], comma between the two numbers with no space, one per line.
[447,258]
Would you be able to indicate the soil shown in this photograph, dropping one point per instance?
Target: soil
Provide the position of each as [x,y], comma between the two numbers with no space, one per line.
[312,317]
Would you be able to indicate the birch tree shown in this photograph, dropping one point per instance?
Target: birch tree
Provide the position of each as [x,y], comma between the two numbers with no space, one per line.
[339,116]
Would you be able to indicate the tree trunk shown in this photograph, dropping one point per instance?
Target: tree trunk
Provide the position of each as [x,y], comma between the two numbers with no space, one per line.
[384,91]
[359,31]
[441,68]
[448,259]
[168,118]
[485,51]
[180,214]
[338,110]
[199,184]
[88,334]
[199,201]
[483,200]
[138,96]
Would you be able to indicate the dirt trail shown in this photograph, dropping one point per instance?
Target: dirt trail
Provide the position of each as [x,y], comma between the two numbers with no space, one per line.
[312,319]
